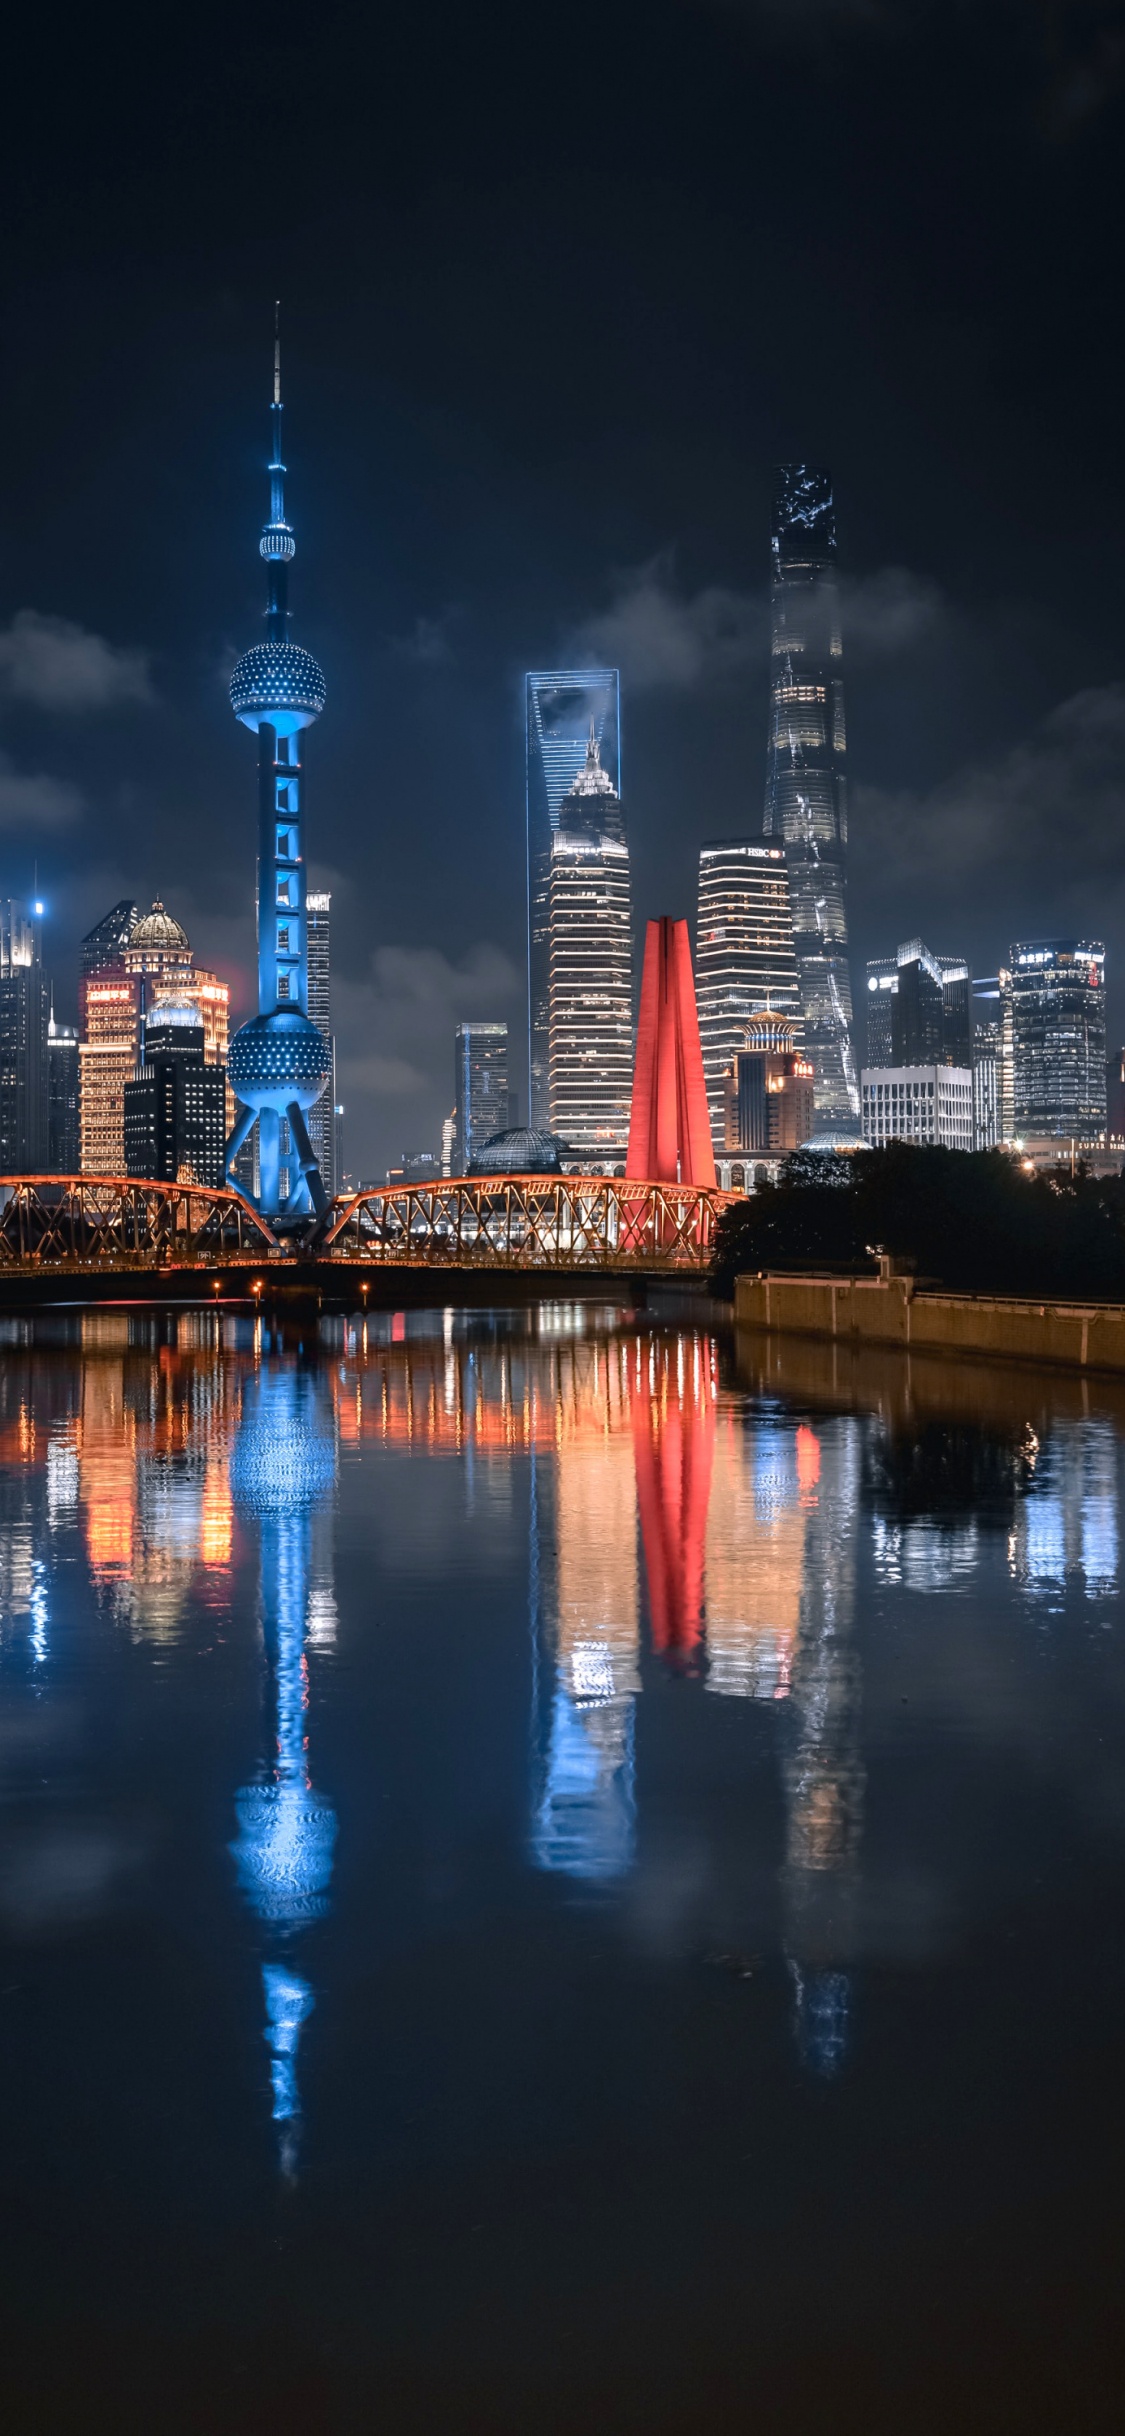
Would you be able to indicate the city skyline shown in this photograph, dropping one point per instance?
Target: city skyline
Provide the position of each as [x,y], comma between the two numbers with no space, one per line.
[482,495]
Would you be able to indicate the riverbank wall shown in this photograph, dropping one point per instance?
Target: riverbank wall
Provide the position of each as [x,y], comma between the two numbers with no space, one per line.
[895,1311]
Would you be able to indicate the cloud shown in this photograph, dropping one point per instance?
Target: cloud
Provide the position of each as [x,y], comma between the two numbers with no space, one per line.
[1053,805]
[429,643]
[659,638]
[57,666]
[394,1029]
[35,800]
[887,613]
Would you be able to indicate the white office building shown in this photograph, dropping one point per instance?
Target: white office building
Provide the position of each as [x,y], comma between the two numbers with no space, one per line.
[917,1104]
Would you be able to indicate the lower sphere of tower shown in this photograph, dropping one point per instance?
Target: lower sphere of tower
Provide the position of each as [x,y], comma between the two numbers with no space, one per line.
[280,683]
[276,1059]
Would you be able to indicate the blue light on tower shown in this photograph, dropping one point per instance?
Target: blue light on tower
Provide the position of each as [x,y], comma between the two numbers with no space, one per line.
[277,1062]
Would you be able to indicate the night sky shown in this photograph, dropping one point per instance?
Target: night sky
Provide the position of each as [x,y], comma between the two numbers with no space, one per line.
[558,289]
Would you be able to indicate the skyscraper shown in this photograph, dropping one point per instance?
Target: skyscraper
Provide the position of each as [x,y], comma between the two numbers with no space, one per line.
[1058,1022]
[806,804]
[175,1103]
[24,1009]
[64,1141]
[127,977]
[103,947]
[560,705]
[480,1081]
[768,1093]
[744,957]
[278,1062]
[322,1117]
[590,1029]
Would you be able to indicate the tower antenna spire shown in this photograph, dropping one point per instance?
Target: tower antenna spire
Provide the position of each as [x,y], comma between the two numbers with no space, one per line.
[277,351]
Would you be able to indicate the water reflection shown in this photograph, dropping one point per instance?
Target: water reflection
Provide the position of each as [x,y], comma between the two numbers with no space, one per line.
[717,1526]
[282,1473]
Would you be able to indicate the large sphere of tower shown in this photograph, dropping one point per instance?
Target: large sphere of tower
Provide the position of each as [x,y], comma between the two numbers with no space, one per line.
[276,1059]
[278,683]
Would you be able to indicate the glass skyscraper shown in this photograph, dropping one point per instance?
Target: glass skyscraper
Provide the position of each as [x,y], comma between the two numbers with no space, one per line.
[560,705]
[1058,1027]
[806,803]
[480,1082]
[24,1014]
[590,1015]
[744,958]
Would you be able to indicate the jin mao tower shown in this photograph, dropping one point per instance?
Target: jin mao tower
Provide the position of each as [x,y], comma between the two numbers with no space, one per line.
[806,804]
[279,1062]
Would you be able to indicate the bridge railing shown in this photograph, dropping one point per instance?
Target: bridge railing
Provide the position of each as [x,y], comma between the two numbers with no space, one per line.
[531,1222]
[115,1221]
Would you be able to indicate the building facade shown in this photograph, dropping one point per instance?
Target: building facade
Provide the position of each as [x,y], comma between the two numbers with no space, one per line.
[919,1009]
[118,999]
[1059,1039]
[927,1104]
[174,1116]
[561,704]
[806,799]
[64,1138]
[590,972]
[480,1082]
[769,1099]
[103,948]
[322,1119]
[745,960]
[986,1087]
[24,1017]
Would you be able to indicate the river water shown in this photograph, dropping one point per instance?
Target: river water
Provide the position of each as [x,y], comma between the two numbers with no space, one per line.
[557,1870]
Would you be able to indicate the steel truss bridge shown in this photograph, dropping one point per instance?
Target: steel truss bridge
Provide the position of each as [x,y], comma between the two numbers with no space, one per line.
[528,1223]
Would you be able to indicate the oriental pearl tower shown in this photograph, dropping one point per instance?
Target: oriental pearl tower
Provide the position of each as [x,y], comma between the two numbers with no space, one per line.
[278,1062]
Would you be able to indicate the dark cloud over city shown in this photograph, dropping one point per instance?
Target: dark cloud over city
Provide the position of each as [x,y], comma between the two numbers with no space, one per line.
[555,301]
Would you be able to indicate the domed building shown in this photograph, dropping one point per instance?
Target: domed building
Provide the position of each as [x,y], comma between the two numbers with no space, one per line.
[520,1151]
[157,943]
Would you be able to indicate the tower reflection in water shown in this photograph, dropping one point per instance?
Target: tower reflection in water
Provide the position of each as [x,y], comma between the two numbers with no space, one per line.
[741,1527]
[283,1470]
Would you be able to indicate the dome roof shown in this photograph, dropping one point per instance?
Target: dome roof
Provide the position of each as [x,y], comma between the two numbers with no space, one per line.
[278,682]
[159,929]
[277,1058]
[521,1151]
[830,1142]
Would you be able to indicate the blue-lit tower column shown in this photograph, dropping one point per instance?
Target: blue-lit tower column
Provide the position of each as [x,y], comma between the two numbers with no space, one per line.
[277,1062]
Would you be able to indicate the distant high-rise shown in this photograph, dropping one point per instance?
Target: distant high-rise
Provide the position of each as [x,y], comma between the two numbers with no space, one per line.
[806,803]
[24,1013]
[321,1119]
[103,948]
[986,1086]
[769,1097]
[560,705]
[1058,1025]
[480,1074]
[590,1027]
[126,979]
[174,1114]
[919,1010]
[745,962]
[64,1143]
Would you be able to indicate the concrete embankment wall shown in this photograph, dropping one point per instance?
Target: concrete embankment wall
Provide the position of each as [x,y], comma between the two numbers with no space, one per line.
[889,1311]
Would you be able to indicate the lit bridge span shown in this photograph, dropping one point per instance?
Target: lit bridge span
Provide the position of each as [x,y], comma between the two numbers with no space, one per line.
[527,1223]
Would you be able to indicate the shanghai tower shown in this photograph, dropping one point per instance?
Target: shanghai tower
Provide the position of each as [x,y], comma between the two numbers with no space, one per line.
[806,802]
